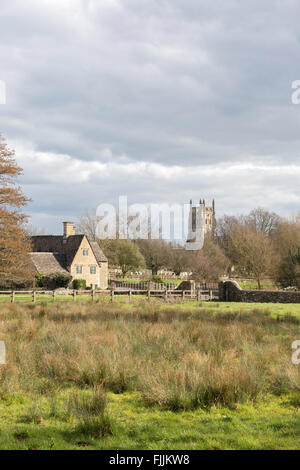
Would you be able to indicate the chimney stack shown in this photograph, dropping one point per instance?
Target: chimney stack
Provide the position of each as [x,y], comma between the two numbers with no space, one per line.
[69,229]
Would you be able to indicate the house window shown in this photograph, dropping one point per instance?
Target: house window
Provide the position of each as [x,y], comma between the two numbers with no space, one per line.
[85,252]
[78,269]
[93,269]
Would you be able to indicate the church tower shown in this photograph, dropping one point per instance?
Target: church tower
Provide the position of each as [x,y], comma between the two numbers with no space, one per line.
[210,223]
[202,224]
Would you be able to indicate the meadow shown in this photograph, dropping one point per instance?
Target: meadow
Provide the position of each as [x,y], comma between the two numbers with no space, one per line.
[149,375]
[251,284]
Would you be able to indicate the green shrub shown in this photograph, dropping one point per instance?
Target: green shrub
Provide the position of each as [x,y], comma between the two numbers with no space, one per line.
[53,281]
[39,280]
[79,284]
[158,279]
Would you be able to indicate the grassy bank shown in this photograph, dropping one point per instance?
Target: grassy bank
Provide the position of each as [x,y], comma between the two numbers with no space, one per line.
[251,284]
[139,301]
[148,375]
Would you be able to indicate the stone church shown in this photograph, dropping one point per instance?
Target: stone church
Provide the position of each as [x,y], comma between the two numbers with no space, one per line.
[202,224]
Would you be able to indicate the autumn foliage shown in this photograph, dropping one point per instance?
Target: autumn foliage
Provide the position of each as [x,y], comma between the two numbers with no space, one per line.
[15,265]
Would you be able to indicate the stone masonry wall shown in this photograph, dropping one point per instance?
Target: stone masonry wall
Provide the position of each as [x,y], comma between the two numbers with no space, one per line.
[100,278]
[231,291]
[186,285]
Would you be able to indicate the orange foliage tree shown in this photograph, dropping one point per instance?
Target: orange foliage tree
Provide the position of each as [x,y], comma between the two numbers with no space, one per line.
[15,264]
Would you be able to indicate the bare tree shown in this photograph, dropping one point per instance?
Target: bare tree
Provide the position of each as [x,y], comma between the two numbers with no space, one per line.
[252,252]
[87,224]
[287,242]
[210,263]
[262,220]
[32,230]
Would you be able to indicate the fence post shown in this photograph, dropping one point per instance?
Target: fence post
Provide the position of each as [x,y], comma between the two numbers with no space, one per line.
[54,295]
[33,296]
[74,294]
[13,296]
[198,295]
[210,295]
[149,294]
[112,295]
[130,295]
[183,295]
[93,295]
[166,294]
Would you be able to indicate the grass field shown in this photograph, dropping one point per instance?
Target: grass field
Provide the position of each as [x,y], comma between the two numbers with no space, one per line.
[149,376]
[251,284]
[273,310]
[193,306]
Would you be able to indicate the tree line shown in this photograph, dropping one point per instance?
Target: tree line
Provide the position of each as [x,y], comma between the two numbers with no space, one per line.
[257,245]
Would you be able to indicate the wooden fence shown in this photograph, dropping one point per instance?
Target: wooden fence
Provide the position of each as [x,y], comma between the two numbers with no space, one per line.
[113,293]
[141,285]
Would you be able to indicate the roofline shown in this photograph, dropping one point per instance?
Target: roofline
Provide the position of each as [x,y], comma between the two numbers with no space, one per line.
[45,253]
[79,235]
[61,236]
[98,262]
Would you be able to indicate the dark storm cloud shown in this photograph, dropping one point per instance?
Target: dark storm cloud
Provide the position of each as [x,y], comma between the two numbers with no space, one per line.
[141,97]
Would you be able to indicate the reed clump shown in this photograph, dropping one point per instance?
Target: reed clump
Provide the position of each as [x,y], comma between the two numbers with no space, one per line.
[177,360]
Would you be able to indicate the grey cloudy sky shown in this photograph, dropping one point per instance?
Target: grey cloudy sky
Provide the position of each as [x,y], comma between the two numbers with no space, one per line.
[160,100]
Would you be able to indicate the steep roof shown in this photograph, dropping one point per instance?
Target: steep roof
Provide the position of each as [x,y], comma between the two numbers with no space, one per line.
[98,253]
[49,263]
[66,246]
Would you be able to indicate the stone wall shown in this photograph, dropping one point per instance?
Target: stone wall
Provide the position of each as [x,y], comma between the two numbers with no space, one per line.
[186,285]
[100,278]
[103,272]
[231,291]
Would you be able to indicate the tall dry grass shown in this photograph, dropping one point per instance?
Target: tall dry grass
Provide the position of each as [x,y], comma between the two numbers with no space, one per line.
[90,411]
[176,360]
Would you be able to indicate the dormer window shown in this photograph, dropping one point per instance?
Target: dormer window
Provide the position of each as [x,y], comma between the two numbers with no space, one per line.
[85,252]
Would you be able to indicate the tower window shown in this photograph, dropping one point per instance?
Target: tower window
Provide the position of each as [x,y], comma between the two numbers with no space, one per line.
[85,252]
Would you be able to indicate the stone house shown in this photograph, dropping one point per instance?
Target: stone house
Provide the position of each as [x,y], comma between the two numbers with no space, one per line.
[71,254]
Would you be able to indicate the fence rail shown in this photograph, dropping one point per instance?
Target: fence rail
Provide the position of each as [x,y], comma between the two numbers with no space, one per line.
[171,294]
[141,285]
